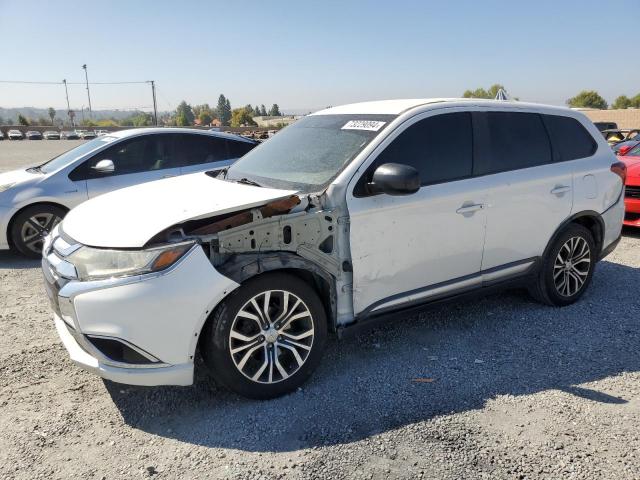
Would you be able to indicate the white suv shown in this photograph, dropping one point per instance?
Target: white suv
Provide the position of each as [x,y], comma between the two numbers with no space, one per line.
[343,217]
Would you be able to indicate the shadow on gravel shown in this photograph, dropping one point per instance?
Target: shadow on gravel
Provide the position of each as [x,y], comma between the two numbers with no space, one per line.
[471,352]
[631,232]
[8,259]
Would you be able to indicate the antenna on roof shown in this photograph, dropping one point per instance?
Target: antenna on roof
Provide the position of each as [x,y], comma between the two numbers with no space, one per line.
[502,95]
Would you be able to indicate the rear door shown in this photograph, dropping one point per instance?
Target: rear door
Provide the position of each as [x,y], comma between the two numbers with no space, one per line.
[530,194]
[135,160]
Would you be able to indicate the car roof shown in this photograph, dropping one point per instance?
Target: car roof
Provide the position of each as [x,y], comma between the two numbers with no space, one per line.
[396,107]
[137,131]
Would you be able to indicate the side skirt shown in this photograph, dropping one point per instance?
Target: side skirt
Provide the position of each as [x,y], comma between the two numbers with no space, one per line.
[492,280]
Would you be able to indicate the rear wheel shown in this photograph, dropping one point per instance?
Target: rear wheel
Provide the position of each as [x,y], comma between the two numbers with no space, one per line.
[267,337]
[567,270]
[30,227]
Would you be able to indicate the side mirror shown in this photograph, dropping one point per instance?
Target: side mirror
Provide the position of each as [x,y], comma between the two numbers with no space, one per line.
[104,166]
[624,150]
[395,179]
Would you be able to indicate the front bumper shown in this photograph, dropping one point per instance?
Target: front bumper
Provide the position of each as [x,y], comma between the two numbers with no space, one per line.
[632,206]
[157,317]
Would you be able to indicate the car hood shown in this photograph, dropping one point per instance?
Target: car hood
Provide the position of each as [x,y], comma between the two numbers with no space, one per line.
[16,176]
[130,217]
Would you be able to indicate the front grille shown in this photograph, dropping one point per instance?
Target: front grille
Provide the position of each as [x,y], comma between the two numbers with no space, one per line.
[632,191]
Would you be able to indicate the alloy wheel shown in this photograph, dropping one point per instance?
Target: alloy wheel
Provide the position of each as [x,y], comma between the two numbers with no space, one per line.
[271,336]
[36,228]
[571,267]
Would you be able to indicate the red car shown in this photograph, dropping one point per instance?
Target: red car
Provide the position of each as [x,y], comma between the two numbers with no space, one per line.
[632,192]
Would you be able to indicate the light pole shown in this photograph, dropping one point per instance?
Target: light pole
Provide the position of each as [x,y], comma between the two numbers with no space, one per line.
[86,78]
[66,92]
[155,108]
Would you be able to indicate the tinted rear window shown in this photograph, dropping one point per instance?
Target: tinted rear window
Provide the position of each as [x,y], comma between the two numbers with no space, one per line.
[516,140]
[237,148]
[570,139]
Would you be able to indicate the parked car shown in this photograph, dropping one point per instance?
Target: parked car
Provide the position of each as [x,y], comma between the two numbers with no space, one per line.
[51,135]
[100,133]
[88,135]
[624,147]
[632,190]
[15,135]
[616,136]
[1,135]
[606,125]
[34,200]
[343,217]
[69,135]
[33,135]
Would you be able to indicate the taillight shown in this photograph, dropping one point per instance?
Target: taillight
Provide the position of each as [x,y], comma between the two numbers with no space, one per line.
[620,169]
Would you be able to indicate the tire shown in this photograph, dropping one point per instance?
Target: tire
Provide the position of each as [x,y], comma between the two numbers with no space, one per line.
[30,226]
[272,365]
[567,269]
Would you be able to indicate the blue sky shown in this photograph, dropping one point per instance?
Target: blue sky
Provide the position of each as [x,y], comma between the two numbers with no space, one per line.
[307,55]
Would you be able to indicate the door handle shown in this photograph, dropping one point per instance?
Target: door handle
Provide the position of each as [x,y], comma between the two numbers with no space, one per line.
[470,208]
[560,189]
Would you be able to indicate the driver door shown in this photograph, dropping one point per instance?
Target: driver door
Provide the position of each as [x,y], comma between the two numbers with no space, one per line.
[406,249]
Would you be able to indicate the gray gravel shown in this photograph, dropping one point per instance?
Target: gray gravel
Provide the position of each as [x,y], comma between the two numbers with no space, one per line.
[509,389]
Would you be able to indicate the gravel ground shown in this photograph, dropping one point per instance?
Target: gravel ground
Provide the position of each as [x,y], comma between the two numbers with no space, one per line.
[509,389]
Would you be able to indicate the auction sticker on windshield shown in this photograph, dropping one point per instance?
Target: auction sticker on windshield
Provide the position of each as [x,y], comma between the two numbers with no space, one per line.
[371,125]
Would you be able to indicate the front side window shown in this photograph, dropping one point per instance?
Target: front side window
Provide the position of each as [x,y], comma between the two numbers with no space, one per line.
[66,158]
[307,155]
[440,148]
[515,140]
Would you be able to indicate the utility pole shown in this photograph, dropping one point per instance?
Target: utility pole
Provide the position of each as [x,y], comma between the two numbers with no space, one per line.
[86,78]
[66,92]
[155,108]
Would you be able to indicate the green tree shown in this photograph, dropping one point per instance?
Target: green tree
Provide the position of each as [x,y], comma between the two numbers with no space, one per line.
[22,120]
[482,93]
[587,99]
[52,114]
[256,111]
[263,111]
[242,117]
[205,117]
[621,102]
[184,115]
[635,101]
[223,110]
[275,111]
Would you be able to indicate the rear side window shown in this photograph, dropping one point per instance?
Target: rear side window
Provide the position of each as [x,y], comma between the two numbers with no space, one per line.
[198,149]
[570,139]
[238,149]
[515,140]
[439,147]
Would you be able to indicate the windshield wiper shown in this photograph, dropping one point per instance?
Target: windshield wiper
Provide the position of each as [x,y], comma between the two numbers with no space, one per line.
[246,181]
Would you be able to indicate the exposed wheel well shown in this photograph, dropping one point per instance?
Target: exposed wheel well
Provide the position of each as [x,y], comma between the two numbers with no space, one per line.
[15,215]
[594,225]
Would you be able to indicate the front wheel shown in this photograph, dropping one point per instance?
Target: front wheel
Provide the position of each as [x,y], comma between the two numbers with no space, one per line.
[267,337]
[567,269]
[30,226]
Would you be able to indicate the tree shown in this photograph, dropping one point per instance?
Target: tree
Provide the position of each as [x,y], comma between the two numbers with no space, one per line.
[184,115]
[242,117]
[263,111]
[621,102]
[256,111]
[635,101]
[52,114]
[223,110]
[22,120]
[205,117]
[587,99]
[275,111]
[482,93]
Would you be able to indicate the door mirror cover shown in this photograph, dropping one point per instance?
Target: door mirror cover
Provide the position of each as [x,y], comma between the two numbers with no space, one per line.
[104,166]
[395,179]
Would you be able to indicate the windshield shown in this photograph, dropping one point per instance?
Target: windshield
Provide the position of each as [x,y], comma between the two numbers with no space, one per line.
[309,154]
[63,160]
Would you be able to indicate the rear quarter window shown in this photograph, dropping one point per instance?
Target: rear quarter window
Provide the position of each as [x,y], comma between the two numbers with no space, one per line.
[569,137]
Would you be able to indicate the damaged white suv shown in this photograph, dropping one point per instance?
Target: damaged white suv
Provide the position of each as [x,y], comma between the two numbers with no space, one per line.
[345,216]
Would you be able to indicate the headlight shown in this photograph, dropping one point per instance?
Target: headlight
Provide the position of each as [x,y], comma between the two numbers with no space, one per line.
[96,263]
[6,186]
